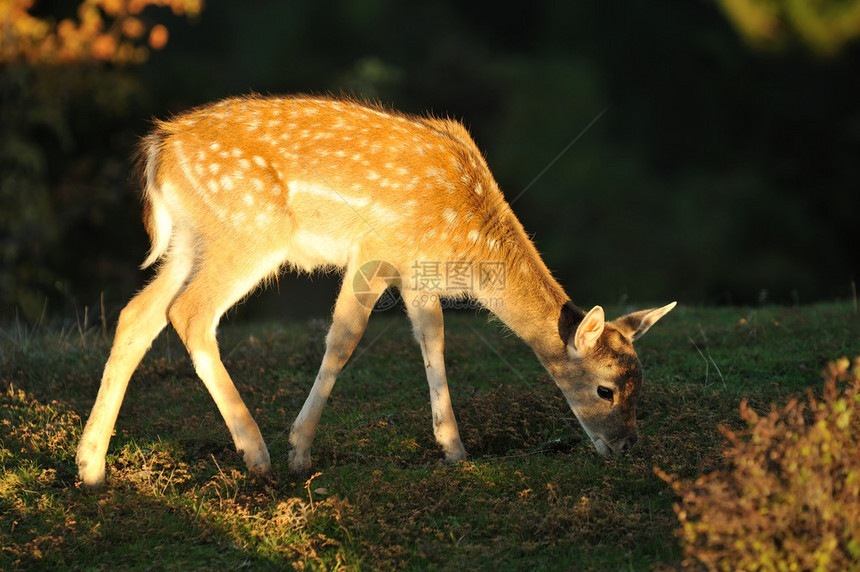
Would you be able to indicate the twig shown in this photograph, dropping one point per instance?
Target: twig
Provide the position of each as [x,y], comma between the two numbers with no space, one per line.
[708,360]
[308,488]
[104,318]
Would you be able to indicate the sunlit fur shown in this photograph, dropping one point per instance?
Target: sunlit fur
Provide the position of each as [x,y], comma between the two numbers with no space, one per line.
[236,191]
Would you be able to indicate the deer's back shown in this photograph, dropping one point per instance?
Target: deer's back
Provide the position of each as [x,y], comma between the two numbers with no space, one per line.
[321,178]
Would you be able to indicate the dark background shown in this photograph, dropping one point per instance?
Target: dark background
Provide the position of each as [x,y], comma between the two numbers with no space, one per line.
[717,174]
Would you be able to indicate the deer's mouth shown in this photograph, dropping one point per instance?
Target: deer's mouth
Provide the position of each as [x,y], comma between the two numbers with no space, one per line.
[602,447]
[617,447]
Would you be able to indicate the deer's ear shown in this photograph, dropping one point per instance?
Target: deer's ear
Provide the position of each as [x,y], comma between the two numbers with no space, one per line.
[635,324]
[588,331]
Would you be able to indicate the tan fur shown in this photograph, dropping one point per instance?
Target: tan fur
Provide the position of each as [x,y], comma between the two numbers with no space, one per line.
[236,190]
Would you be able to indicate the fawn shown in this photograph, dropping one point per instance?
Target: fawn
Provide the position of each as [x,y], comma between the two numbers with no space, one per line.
[237,190]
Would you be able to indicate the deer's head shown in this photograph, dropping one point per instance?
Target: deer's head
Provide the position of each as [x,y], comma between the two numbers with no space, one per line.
[601,376]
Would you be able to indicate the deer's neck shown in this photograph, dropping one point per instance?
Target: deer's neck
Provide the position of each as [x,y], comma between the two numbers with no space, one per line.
[531,301]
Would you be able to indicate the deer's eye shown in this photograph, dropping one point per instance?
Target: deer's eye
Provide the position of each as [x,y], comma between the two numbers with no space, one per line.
[604,392]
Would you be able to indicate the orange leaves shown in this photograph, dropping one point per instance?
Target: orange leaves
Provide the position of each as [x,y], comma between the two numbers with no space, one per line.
[132,28]
[157,37]
[104,30]
[791,494]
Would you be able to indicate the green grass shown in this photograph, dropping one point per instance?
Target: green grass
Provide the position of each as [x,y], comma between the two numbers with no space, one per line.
[534,493]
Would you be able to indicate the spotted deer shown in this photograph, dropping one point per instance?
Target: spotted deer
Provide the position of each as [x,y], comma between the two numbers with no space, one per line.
[238,190]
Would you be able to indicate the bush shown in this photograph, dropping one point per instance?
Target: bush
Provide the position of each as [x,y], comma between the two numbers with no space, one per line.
[791,497]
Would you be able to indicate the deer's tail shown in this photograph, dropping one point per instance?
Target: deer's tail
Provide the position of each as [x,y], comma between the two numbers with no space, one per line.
[156,214]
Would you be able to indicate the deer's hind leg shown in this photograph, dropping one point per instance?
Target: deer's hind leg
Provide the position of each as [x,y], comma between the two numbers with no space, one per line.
[220,281]
[139,323]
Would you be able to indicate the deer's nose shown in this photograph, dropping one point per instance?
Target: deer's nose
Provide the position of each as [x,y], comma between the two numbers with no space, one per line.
[626,444]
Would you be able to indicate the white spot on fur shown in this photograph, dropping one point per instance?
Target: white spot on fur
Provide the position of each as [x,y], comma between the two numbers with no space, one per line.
[259,161]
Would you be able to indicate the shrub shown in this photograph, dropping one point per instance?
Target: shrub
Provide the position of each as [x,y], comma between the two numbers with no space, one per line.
[790,499]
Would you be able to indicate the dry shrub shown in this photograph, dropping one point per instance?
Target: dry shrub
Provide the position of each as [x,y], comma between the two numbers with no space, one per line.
[791,497]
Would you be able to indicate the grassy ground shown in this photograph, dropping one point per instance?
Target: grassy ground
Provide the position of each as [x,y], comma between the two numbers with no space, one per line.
[533,495]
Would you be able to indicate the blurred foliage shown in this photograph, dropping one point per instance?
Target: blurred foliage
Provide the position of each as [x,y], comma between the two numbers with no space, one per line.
[824,26]
[105,30]
[791,499]
[58,182]
[59,176]
[716,174]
